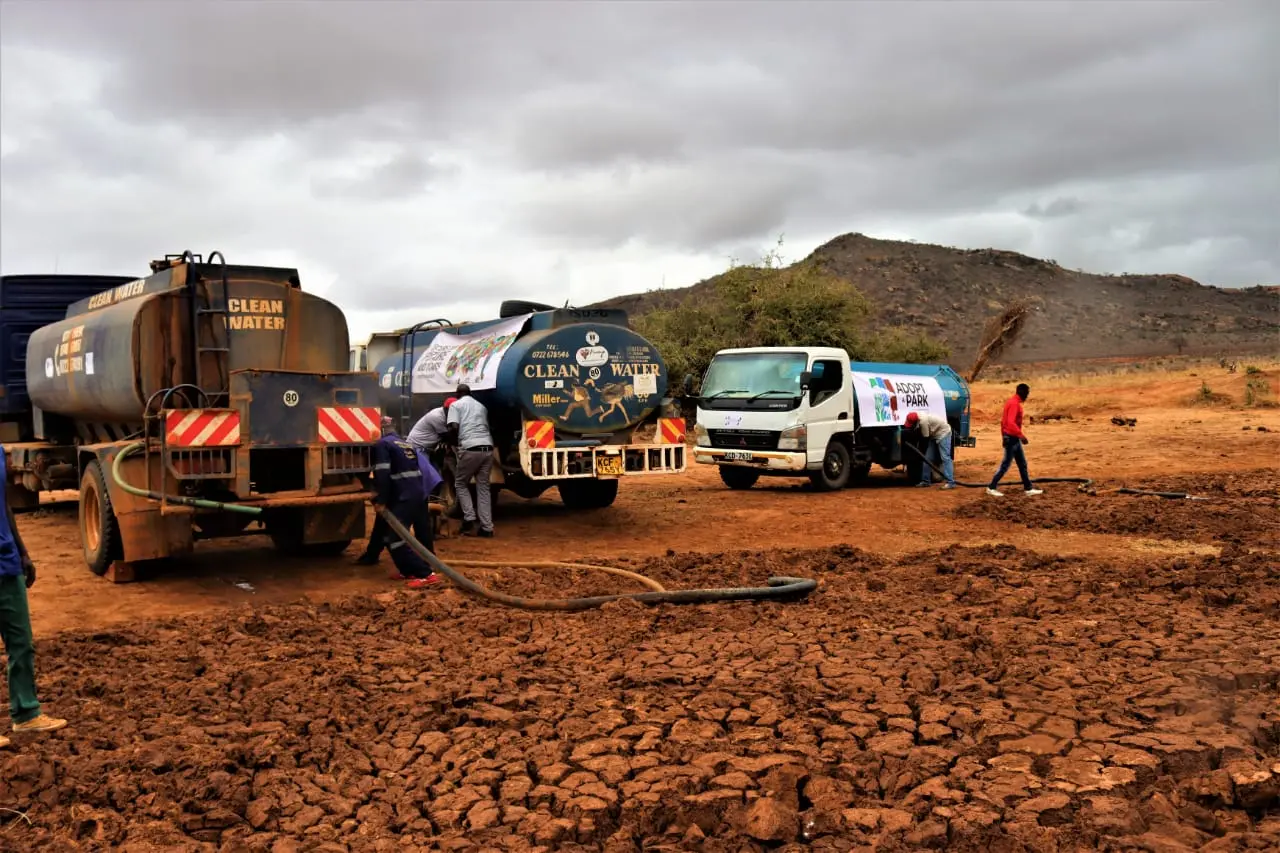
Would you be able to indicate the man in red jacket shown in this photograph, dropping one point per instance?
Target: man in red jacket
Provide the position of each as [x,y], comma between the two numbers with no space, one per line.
[1013,439]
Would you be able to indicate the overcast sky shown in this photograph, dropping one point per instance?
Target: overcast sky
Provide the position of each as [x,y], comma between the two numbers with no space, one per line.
[426,159]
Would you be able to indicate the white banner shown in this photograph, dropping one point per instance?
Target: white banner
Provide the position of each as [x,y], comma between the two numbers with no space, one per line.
[450,360]
[885,399]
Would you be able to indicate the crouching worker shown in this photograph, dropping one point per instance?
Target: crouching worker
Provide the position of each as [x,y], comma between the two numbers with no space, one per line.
[938,433]
[398,486]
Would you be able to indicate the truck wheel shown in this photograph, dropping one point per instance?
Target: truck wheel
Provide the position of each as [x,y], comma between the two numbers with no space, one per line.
[516,307]
[588,494]
[99,530]
[738,478]
[834,473]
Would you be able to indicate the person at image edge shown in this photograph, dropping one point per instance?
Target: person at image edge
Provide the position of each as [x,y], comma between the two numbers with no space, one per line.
[17,573]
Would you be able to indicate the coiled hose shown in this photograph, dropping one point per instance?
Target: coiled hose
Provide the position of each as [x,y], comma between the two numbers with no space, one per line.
[779,588]
[1086,484]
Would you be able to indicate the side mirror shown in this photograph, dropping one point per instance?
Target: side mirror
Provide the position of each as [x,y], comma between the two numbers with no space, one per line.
[805,378]
[688,384]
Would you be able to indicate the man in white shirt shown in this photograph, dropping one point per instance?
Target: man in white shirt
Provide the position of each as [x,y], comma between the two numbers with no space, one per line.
[938,433]
[427,433]
[468,422]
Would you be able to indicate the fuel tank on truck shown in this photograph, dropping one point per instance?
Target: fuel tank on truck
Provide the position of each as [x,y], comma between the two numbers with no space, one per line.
[955,391]
[115,349]
[583,370]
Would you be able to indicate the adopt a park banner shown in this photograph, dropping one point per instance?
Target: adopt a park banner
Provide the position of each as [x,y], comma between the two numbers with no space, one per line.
[885,399]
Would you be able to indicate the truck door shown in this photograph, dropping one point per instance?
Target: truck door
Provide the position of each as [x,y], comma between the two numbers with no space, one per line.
[830,405]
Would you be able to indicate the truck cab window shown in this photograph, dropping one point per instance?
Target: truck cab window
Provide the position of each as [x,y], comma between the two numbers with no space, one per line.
[827,379]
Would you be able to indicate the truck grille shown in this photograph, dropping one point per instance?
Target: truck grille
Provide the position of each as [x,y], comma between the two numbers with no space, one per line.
[744,439]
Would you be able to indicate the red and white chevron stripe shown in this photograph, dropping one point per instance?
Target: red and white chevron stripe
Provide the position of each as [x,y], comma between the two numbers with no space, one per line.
[202,427]
[349,424]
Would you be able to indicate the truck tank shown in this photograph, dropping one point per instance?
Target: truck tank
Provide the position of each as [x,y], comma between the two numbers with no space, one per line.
[115,349]
[955,391]
[28,302]
[583,370]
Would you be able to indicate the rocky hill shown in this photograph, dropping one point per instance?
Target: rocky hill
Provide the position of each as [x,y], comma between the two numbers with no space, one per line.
[949,294]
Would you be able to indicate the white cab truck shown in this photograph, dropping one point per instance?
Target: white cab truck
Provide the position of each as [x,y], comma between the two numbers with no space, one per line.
[812,412]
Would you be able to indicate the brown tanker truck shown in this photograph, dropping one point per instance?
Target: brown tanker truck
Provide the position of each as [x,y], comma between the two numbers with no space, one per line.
[203,401]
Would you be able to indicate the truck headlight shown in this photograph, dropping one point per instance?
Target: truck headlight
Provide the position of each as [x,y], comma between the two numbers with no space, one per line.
[700,436]
[794,438]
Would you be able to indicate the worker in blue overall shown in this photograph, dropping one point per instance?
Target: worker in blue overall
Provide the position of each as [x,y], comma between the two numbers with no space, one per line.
[398,486]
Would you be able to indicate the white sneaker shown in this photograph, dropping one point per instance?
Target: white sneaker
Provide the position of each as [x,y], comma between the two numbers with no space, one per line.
[1030,492]
[994,493]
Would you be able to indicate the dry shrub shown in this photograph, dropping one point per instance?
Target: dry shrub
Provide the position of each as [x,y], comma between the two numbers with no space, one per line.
[1000,333]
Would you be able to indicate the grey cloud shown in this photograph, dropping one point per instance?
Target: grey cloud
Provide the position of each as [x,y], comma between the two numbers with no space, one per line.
[1059,207]
[697,127]
[404,175]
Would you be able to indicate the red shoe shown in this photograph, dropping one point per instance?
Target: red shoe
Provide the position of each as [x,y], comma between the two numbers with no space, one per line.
[422,583]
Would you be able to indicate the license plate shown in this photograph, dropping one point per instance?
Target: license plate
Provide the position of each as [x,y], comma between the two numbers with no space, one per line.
[738,456]
[609,465]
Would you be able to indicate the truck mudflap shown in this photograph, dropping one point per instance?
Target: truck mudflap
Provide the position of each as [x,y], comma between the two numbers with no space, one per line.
[542,457]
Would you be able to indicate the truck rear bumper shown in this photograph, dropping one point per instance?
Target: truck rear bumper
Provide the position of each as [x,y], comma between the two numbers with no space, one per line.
[760,460]
[605,462]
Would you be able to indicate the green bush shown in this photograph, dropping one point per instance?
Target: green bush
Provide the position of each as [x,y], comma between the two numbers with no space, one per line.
[770,304]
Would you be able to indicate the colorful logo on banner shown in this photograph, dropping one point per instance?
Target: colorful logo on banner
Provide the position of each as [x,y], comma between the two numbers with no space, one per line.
[450,359]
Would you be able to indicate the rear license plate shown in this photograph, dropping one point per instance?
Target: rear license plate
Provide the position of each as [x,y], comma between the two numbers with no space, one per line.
[609,465]
[738,456]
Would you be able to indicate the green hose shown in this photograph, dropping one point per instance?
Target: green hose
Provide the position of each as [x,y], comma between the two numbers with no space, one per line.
[130,449]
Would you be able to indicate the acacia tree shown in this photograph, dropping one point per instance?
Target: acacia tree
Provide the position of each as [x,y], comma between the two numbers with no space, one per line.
[773,304]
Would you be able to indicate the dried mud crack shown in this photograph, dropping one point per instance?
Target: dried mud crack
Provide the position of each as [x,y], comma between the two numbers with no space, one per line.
[1242,509]
[968,698]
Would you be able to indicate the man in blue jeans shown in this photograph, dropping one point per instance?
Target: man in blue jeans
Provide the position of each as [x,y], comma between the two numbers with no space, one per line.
[1013,439]
[937,432]
[17,572]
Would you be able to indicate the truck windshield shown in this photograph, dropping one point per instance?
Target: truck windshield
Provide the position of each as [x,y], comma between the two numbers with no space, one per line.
[751,374]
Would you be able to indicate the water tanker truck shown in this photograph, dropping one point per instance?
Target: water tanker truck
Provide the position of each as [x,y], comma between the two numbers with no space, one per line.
[576,399]
[812,412]
[205,400]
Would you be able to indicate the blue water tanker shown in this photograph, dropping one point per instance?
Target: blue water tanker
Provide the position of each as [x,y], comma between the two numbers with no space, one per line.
[576,398]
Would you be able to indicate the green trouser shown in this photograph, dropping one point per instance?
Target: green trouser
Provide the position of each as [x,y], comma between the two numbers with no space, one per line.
[15,627]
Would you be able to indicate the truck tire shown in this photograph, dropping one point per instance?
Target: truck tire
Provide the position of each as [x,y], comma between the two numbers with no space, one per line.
[588,494]
[516,307]
[835,470]
[738,478]
[99,530]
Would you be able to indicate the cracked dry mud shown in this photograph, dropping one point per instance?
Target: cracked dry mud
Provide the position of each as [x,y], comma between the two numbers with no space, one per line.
[982,698]
[1240,508]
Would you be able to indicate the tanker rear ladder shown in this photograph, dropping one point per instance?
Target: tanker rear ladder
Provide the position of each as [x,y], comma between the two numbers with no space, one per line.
[406,368]
[204,312]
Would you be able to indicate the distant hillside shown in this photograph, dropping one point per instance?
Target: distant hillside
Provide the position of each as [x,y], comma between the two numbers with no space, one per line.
[949,294]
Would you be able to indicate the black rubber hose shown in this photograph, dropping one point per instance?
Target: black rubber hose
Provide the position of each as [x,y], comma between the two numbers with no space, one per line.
[779,588]
[1086,483]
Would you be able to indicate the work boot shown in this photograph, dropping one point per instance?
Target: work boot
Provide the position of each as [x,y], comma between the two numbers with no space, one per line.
[367,559]
[42,723]
[468,528]
[994,493]
[4,741]
[922,485]
[485,534]
[1034,492]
